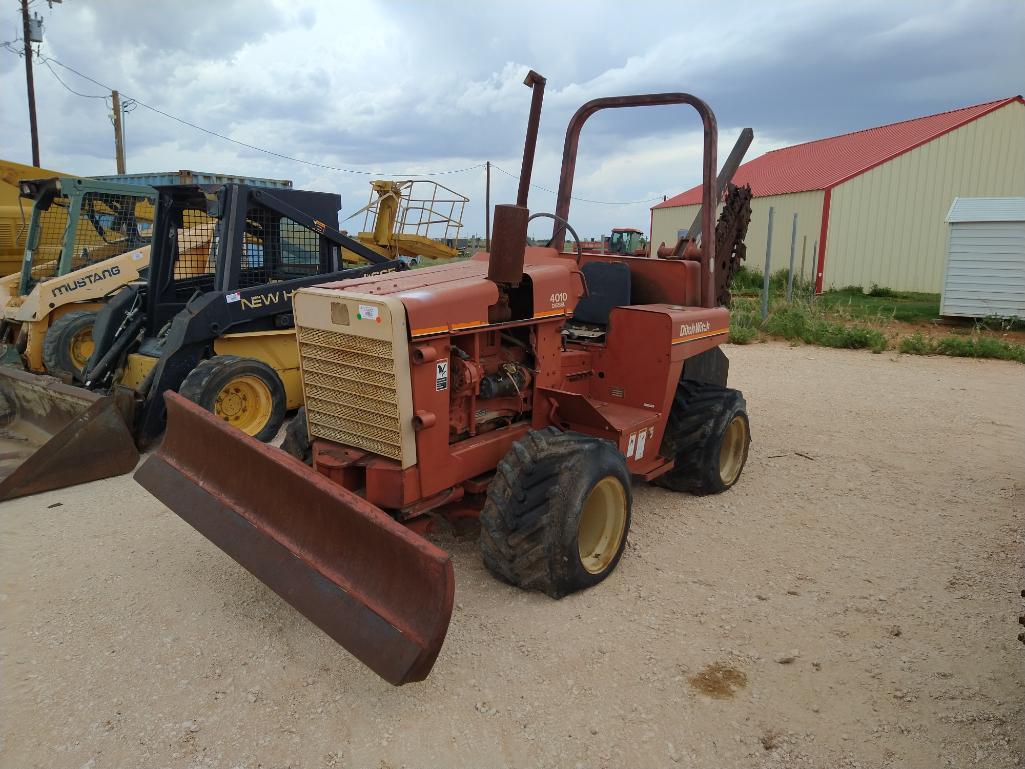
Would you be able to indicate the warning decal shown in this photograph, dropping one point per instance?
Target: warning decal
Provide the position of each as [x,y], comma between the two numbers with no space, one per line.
[441,380]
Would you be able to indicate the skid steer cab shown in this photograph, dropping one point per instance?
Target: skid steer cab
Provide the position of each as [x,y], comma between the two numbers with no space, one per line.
[528,387]
[212,320]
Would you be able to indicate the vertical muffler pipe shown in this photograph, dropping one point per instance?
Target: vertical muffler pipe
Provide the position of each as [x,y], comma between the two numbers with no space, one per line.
[537,83]
[509,233]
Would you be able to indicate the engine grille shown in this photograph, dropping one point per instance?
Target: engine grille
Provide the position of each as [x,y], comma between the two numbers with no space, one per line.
[350,389]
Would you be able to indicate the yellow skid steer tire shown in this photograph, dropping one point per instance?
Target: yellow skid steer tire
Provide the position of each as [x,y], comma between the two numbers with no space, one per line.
[244,392]
[69,343]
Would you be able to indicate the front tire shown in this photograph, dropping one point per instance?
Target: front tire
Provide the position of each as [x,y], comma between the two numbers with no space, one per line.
[708,434]
[557,513]
[68,343]
[244,392]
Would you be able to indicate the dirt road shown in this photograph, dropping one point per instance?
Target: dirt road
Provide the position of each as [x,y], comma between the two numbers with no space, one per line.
[852,602]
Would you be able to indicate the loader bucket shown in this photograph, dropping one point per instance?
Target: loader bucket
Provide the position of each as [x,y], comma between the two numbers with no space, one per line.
[53,435]
[375,587]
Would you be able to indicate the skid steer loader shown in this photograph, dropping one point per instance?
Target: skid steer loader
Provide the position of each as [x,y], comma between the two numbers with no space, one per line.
[528,387]
[213,320]
[85,240]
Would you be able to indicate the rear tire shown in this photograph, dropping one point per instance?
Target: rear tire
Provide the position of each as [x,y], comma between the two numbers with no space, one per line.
[244,392]
[708,435]
[68,343]
[557,513]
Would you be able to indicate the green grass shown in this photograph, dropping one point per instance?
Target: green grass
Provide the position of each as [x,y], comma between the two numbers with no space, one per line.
[801,322]
[963,347]
[882,304]
[850,302]
[744,321]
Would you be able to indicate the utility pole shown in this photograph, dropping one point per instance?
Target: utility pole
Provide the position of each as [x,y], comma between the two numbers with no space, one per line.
[119,139]
[487,206]
[30,84]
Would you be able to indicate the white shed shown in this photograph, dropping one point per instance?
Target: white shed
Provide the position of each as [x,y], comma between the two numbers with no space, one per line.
[985,259]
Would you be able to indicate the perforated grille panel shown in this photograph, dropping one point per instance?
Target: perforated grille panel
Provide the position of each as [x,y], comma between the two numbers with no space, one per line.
[350,387]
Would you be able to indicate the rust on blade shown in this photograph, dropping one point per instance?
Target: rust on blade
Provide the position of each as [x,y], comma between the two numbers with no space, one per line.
[53,435]
[378,589]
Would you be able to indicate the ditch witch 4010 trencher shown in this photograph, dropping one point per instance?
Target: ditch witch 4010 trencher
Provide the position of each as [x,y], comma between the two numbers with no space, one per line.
[527,386]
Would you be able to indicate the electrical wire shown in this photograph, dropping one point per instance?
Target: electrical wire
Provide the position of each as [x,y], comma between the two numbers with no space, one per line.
[582,200]
[136,101]
[254,147]
[68,87]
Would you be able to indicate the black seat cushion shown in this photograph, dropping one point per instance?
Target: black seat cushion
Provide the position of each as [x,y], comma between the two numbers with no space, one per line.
[608,286]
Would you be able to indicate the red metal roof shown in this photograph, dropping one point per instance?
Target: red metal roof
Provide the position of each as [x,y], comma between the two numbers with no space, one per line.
[825,163]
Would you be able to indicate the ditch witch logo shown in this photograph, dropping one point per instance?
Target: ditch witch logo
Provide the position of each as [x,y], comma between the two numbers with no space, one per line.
[687,329]
[86,280]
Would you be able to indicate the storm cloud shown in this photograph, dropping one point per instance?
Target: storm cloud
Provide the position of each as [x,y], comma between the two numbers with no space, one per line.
[413,87]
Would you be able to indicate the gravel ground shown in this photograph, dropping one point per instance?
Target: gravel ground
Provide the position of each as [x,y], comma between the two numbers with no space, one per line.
[852,602]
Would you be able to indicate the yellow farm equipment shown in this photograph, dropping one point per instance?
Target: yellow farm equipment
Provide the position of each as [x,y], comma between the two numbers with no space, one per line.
[411,219]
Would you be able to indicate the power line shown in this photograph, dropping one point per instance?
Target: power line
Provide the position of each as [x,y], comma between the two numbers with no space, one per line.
[177,119]
[582,200]
[136,101]
[46,62]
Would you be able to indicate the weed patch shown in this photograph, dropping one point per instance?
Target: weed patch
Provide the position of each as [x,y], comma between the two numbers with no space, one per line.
[963,347]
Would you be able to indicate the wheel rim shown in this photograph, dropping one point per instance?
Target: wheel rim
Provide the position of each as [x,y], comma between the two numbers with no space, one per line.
[246,403]
[81,347]
[732,450]
[602,525]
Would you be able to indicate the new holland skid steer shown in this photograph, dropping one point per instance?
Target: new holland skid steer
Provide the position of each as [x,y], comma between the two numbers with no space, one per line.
[213,320]
[528,386]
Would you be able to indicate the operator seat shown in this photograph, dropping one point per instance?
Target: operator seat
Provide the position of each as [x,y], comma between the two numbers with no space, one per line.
[608,286]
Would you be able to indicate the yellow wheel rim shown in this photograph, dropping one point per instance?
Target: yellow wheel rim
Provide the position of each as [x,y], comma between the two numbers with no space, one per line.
[602,525]
[732,451]
[246,403]
[81,347]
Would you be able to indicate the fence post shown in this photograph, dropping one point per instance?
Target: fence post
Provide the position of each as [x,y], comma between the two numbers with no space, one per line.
[793,251]
[814,261]
[804,251]
[768,257]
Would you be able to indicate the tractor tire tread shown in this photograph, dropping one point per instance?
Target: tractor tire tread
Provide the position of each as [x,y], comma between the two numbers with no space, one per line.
[518,523]
[197,388]
[698,416]
[56,359]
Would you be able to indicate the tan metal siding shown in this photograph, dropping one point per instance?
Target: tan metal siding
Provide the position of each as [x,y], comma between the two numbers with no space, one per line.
[807,206]
[887,226]
[665,222]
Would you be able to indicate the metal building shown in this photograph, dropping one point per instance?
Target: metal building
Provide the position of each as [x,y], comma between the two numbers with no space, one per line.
[875,201]
[985,273]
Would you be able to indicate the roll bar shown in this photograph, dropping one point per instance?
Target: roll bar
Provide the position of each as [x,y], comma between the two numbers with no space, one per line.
[708,185]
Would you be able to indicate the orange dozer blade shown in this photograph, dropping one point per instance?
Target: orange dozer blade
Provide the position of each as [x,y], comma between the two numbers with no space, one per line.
[53,435]
[378,589]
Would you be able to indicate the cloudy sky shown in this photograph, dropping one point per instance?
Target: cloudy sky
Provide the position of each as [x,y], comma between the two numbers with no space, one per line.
[406,88]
